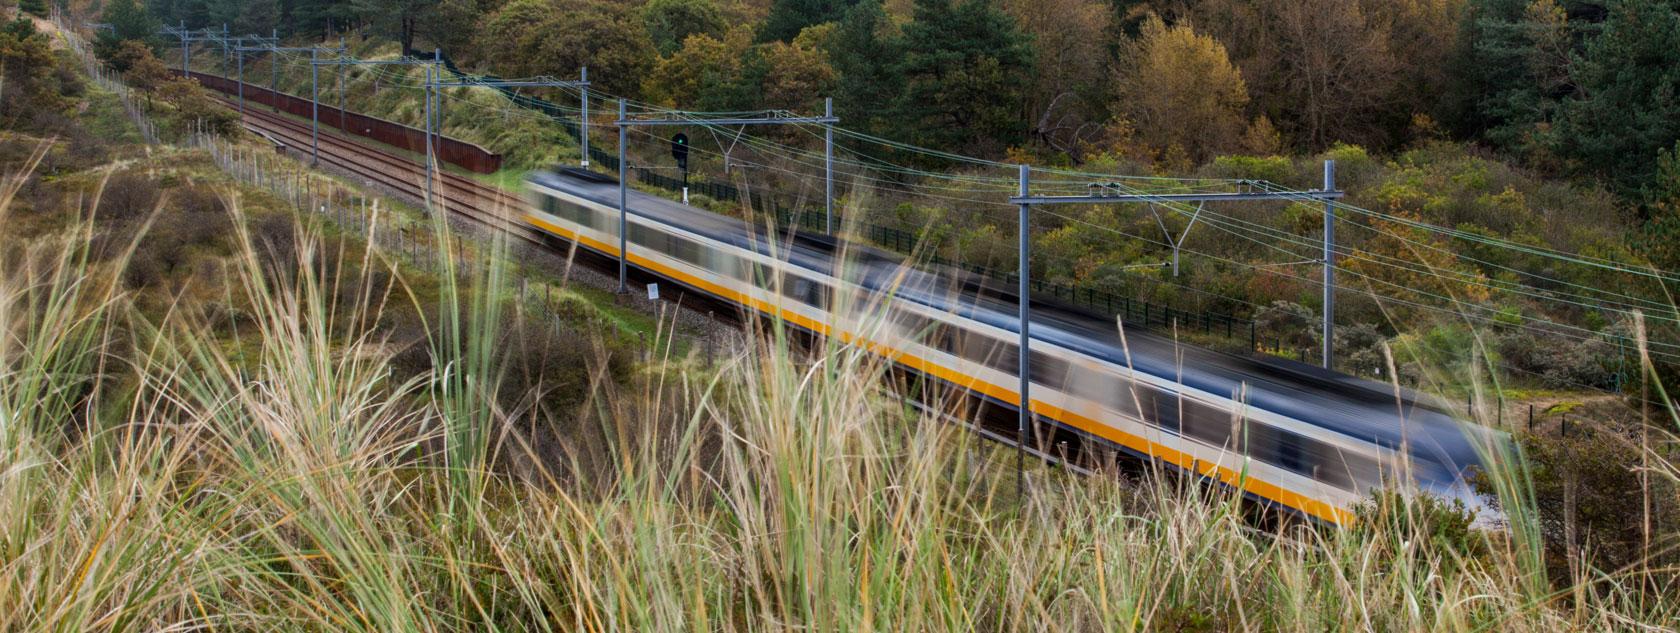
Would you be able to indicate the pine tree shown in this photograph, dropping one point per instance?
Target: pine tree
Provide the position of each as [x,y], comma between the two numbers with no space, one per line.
[129,22]
[1627,109]
[36,7]
[865,53]
[788,17]
[670,22]
[965,71]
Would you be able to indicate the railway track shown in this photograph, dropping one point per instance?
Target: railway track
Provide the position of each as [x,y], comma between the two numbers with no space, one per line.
[476,202]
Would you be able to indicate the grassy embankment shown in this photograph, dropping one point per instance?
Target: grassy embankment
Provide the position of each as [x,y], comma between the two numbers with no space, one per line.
[247,437]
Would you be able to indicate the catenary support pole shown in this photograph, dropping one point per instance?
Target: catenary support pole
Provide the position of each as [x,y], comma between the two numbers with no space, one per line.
[225,58]
[343,129]
[428,116]
[1329,266]
[828,166]
[437,105]
[314,111]
[583,121]
[186,51]
[241,54]
[623,184]
[274,76]
[1023,366]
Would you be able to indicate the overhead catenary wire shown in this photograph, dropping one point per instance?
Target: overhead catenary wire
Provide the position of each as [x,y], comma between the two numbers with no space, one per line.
[973,186]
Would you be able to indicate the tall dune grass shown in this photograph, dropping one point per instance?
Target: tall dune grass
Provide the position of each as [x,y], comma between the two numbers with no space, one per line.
[154,476]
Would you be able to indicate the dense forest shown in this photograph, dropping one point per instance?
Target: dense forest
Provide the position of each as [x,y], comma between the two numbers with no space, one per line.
[1575,88]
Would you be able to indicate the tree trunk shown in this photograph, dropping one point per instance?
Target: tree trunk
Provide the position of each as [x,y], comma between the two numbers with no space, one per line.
[407,34]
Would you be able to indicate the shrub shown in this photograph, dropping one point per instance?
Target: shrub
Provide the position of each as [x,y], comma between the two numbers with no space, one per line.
[1588,497]
[1291,325]
[1560,361]
[1276,169]
[128,197]
[1391,520]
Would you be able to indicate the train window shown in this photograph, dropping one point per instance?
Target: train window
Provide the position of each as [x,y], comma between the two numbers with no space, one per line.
[759,274]
[915,326]
[1048,370]
[1278,447]
[990,352]
[805,291]
[644,235]
[1306,456]
[1207,423]
[567,211]
[1160,408]
[725,264]
[1340,468]
[686,250]
[1116,392]
[944,337]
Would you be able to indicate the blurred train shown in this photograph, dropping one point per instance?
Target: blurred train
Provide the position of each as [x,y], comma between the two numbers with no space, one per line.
[1310,440]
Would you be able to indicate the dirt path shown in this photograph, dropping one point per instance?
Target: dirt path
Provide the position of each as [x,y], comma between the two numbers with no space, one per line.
[46,26]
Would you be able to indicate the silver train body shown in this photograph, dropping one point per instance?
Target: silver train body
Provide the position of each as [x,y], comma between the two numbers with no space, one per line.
[1311,440]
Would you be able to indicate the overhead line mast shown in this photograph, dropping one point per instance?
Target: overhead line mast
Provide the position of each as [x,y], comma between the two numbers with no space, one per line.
[1109,193]
[693,118]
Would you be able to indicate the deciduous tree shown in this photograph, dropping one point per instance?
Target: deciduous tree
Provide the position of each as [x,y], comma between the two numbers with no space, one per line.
[734,74]
[1180,92]
[129,21]
[556,37]
[705,74]
[1066,95]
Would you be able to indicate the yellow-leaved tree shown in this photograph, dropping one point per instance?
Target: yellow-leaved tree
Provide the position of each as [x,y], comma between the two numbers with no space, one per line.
[1180,93]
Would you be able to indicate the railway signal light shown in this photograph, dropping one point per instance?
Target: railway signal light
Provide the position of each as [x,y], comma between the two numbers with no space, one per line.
[679,150]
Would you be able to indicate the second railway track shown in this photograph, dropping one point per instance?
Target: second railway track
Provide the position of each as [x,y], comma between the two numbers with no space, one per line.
[479,203]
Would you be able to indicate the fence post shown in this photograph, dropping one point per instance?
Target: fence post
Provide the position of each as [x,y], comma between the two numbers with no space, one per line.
[1531,418]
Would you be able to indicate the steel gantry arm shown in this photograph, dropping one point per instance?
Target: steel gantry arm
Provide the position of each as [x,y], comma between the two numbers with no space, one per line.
[274,66]
[228,42]
[1176,242]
